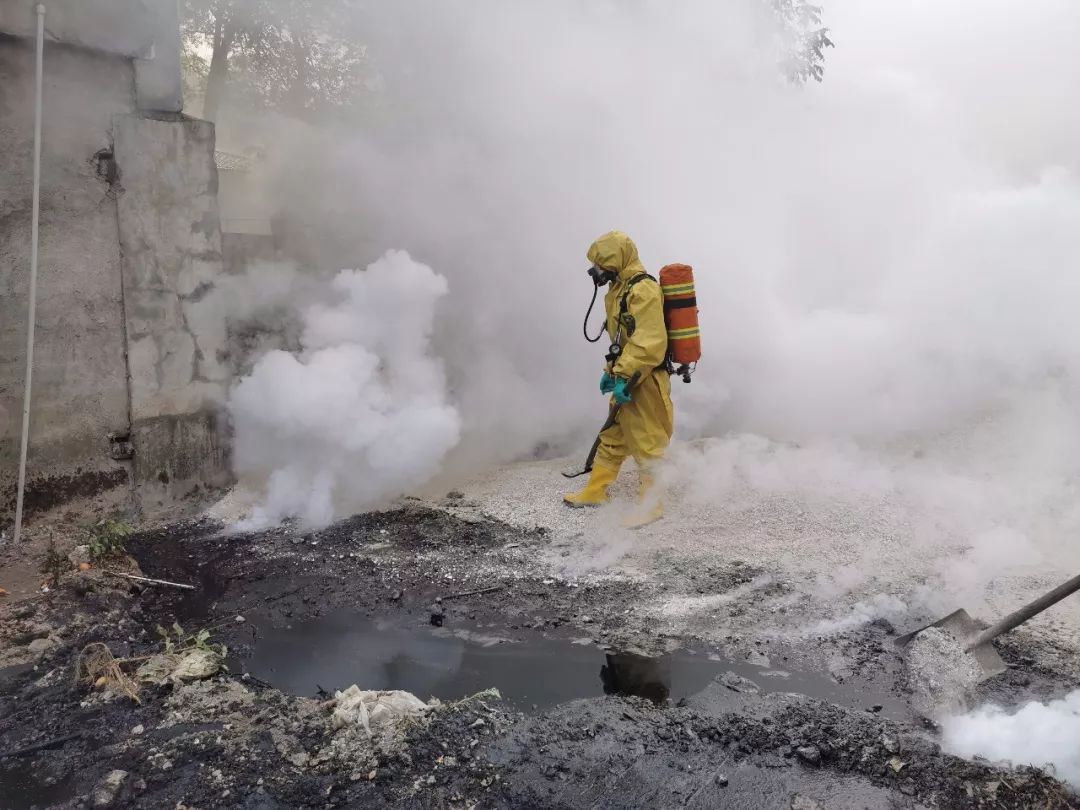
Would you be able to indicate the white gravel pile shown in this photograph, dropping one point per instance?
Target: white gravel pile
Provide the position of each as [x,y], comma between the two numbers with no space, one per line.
[856,535]
[940,673]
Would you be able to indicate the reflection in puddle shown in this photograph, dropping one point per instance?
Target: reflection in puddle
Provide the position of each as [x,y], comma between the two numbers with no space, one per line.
[631,674]
[334,652]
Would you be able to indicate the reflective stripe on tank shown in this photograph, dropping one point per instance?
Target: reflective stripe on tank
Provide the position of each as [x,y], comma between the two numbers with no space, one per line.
[678,289]
[682,334]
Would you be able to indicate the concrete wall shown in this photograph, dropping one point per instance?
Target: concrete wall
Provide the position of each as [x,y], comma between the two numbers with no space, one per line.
[146,31]
[170,237]
[131,342]
[117,27]
[80,389]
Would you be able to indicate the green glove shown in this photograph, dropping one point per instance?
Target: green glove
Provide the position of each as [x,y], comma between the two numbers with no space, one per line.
[621,391]
[607,383]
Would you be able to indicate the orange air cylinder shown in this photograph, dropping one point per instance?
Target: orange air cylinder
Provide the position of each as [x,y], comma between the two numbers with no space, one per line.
[681,314]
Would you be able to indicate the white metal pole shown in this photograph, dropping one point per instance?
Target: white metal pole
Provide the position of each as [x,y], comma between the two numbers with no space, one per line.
[31,317]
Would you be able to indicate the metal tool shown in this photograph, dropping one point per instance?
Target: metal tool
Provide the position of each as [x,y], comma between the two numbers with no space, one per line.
[613,415]
[976,640]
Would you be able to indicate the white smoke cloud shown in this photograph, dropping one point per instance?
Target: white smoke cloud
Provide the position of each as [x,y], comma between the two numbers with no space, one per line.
[362,413]
[1038,734]
[885,262]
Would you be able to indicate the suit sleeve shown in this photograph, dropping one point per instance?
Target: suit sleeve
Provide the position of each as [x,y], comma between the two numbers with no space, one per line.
[647,347]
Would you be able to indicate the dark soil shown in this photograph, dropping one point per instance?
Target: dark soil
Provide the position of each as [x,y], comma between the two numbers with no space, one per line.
[235,741]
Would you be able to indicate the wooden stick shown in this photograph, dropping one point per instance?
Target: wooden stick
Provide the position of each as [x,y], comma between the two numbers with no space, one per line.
[474,593]
[1020,616]
[147,579]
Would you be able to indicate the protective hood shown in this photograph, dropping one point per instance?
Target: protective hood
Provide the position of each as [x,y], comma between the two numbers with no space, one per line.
[616,251]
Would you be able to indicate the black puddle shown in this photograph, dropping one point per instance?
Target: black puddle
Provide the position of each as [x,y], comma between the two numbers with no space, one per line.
[22,789]
[337,651]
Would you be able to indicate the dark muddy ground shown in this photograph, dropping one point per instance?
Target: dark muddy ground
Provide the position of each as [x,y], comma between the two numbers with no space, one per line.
[646,722]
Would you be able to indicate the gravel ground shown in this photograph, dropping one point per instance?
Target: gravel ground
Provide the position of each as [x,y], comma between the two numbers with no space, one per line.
[834,538]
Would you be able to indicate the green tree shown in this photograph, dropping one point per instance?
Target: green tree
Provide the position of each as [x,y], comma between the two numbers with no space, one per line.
[803,39]
[279,54]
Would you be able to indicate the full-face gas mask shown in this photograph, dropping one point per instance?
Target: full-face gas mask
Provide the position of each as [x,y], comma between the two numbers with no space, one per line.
[600,276]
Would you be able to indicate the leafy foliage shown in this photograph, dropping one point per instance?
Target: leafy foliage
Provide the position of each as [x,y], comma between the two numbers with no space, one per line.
[107,539]
[177,641]
[286,55]
[53,564]
[804,39]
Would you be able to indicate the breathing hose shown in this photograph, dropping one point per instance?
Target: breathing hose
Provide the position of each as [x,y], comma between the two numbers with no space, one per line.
[585,326]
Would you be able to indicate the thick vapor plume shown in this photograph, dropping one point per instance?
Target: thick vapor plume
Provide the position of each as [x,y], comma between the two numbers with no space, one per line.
[1038,734]
[362,412]
[885,262]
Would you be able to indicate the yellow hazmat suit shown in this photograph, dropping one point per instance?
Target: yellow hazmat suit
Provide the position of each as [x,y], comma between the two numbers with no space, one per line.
[645,424]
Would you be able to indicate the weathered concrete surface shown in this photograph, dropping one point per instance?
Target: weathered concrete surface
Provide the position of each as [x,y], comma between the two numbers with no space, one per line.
[121,27]
[80,391]
[176,327]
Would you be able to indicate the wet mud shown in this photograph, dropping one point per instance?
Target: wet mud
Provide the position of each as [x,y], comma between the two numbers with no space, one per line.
[594,708]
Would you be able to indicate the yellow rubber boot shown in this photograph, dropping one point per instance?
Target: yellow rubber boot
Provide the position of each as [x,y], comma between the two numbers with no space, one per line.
[595,492]
[650,506]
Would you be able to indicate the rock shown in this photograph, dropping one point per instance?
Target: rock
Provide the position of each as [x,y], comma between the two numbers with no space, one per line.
[396,596]
[721,780]
[810,754]
[40,645]
[138,730]
[79,555]
[758,659]
[737,683]
[438,615]
[804,803]
[240,620]
[105,791]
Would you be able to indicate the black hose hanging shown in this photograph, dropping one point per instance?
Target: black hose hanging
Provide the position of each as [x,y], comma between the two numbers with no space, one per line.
[585,326]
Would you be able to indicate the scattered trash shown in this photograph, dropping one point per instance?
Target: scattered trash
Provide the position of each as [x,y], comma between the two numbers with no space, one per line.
[79,555]
[374,710]
[3,592]
[96,666]
[85,566]
[192,665]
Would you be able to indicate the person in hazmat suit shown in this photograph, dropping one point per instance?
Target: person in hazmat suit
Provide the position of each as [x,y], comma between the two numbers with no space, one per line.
[636,377]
